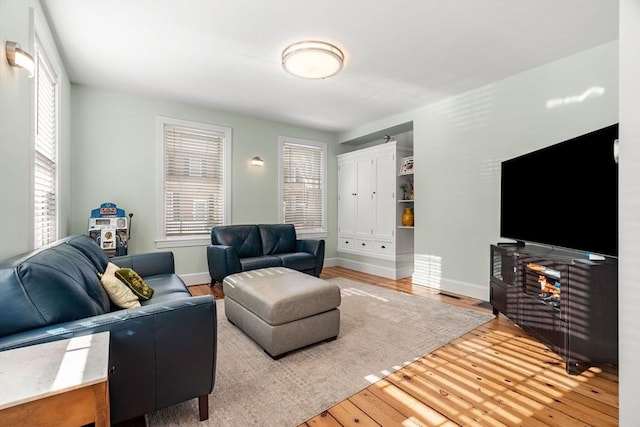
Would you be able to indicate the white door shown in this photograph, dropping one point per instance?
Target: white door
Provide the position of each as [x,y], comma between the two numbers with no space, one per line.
[364,205]
[347,194]
[385,196]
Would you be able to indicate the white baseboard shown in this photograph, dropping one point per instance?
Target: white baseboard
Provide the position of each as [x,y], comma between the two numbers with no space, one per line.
[376,270]
[457,287]
[428,272]
[191,279]
[331,262]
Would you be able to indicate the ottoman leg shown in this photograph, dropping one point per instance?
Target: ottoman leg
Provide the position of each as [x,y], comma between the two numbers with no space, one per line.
[279,356]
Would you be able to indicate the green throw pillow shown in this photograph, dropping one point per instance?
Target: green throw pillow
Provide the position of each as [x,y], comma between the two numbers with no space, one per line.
[119,293]
[135,282]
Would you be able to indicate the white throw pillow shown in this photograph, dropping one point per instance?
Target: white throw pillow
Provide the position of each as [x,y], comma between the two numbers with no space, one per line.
[120,294]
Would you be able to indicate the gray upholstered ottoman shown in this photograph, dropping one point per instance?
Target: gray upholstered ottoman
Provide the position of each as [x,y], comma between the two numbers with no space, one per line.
[282,309]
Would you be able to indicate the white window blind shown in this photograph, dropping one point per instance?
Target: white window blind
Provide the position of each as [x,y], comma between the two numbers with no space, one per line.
[193,180]
[46,147]
[303,183]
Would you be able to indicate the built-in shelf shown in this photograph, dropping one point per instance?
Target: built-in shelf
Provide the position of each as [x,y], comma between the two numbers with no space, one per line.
[404,226]
[406,201]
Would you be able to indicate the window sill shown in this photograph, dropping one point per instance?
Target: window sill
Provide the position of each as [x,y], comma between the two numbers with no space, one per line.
[182,242]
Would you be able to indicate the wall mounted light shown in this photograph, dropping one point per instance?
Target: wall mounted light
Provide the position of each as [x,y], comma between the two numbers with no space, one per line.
[257,161]
[19,58]
[312,59]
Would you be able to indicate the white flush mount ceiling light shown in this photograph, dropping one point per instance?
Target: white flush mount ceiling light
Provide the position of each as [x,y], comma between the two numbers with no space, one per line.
[19,58]
[312,59]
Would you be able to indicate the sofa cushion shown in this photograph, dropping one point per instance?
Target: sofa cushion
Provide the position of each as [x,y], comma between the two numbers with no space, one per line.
[135,282]
[166,287]
[49,286]
[245,239]
[301,261]
[119,293]
[260,262]
[277,238]
[90,249]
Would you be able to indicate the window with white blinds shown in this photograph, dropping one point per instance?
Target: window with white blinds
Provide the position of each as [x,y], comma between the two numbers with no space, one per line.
[303,184]
[194,181]
[45,202]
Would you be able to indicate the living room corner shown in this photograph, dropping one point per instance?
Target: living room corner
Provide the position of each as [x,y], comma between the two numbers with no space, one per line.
[413,332]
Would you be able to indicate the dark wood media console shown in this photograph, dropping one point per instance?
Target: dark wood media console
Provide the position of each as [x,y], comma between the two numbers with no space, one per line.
[567,301]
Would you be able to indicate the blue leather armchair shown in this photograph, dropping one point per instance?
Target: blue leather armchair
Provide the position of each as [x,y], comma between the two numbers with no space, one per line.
[236,248]
[160,354]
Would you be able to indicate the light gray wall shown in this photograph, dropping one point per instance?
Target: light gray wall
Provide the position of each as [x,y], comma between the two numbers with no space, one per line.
[16,133]
[439,134]
[460,141]
[114,160]
[629,290]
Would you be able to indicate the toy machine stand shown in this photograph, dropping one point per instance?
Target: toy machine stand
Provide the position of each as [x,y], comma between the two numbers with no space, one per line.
[108,225]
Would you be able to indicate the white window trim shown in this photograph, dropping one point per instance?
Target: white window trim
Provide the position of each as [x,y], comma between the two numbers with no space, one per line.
[323,146]
[163,241]
[40,32]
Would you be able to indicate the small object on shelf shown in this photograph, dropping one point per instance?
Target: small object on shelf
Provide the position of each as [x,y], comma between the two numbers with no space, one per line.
[407,217]
[407,190]
[404,187]
[544,270]
[388,138]
[407,165]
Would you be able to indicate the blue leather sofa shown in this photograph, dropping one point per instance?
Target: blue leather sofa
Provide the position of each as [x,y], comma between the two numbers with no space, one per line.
[160,354]
[236,248]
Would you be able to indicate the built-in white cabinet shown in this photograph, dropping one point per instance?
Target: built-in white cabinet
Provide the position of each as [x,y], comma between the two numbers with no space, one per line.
[368,207]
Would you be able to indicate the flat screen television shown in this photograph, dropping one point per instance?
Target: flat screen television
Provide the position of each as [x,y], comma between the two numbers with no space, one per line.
[564,195]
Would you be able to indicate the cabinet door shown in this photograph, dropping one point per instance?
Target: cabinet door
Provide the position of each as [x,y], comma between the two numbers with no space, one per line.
[347,196]
[364,202]
[384,196]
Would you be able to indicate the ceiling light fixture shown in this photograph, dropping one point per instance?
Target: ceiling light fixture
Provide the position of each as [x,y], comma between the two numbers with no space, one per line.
[19,58]
[312,59]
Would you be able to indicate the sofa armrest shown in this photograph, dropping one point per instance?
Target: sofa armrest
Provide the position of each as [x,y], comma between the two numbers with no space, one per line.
[314,247]
[222,261]
[147,264]
[159,355]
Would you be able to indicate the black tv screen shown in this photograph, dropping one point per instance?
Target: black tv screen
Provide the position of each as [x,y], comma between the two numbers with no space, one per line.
[564,195]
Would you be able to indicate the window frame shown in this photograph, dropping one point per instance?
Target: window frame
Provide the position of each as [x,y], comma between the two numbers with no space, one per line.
[162,240]
[42,47]
[282,141]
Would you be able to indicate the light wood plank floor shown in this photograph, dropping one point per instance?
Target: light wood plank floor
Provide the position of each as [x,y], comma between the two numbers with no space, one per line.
[496,375]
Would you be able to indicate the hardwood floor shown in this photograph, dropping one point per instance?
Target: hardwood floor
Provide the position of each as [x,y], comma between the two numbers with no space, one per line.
[495,375]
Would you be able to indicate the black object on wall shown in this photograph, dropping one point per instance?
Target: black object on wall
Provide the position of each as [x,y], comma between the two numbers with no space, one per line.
[564,195]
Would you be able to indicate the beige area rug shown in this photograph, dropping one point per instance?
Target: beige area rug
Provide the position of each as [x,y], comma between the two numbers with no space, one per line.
[381,330]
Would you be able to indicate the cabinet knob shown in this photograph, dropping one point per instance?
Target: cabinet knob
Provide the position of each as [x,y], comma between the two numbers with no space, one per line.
[353,194]
[383,247]
[364,244]
[346,242]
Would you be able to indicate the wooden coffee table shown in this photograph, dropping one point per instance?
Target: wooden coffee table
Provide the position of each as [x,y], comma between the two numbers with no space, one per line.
[59,383]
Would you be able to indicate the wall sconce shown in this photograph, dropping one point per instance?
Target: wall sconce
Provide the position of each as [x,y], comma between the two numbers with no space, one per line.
[257,161]
[19,58]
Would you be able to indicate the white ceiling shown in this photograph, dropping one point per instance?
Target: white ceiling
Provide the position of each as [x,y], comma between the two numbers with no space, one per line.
[400,55]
